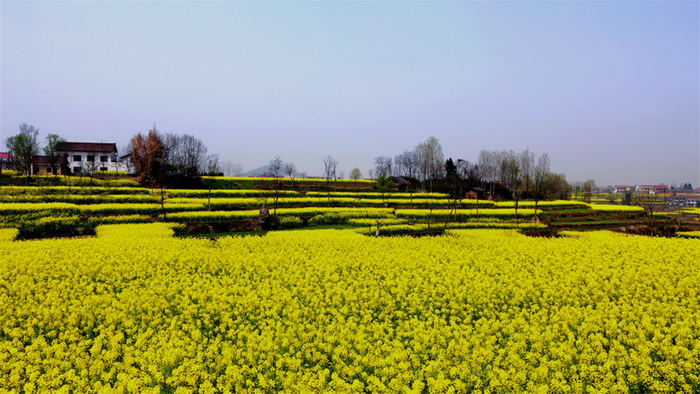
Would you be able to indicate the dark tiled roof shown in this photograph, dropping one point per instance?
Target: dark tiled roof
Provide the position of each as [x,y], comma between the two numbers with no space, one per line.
[87,147]
[399,181]
[45,161]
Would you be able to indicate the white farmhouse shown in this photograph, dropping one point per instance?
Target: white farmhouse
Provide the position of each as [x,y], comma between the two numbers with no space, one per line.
[88,157]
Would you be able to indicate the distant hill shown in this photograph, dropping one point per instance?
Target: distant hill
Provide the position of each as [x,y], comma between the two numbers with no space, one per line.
[257,172]
[260,171]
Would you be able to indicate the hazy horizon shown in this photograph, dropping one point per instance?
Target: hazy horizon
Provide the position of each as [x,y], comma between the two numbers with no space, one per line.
[610,90]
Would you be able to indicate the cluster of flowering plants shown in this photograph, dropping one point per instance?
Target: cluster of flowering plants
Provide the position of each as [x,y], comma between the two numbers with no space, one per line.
[283,180]
[367,194]
[689,234]
[81,198]
[465,214]
[8,234]
[69,190]
[88,181]
[229,193]
[318,201]
[543,204]
[616,208]
[135,310]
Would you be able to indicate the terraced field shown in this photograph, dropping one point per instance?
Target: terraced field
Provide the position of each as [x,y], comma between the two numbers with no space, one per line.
[72,210]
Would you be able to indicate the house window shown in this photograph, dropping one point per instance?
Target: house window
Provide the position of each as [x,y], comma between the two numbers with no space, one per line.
[103,168]
[103,159]
[77,158]
[91,158]
[77,170]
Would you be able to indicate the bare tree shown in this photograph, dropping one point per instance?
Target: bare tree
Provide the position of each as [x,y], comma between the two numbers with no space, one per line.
[383,166]
[329,167]
[231,169]
[171,144]
[511,172]
[191,155]
[587,188]
[487,165]
[468,171]
[652,203]
[276,166]
[560,188]
[514,177]
[406,164]
[527,162]
[540,178]
[430,161]
[213,166]
[290,169]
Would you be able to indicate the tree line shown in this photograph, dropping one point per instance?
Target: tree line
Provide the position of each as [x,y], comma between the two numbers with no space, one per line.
[169,159]
[503,174]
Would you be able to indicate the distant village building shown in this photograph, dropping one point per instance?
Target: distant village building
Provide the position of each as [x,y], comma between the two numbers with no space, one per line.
[41,165]
[6,161]
[678,197]
[88,157]
[126,164]
[475,193]
[400,183]
[651,189]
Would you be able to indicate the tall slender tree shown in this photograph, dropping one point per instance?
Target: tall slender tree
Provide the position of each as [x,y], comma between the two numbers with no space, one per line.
[541,177]
[430,161]
[330,165]
[527,161]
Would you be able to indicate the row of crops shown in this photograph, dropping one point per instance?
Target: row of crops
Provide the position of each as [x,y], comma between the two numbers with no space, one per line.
[69,210]
[137,310]
[120,179]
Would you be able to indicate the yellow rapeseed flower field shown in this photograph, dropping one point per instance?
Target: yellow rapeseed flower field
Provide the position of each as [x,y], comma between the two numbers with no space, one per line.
[616,208]
[136,310]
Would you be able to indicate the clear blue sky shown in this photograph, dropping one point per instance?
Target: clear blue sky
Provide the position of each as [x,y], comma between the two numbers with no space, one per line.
[609,89]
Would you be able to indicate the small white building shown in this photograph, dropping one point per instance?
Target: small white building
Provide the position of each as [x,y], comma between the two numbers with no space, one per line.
[88,157]
[651,189]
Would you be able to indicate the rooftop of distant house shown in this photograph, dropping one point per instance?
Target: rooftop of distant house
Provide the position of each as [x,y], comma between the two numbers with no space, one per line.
[87,147]
[46,160]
